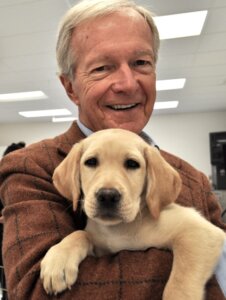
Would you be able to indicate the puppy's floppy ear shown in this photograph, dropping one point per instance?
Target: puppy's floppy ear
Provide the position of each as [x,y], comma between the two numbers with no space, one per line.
[163,182]
[66,176]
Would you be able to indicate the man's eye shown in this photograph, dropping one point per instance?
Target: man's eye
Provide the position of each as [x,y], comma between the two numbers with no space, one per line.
[100,69]
[91,162]
[131,164]
[142,62]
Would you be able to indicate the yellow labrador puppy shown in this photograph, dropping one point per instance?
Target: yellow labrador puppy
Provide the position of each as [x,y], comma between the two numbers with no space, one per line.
[128,193]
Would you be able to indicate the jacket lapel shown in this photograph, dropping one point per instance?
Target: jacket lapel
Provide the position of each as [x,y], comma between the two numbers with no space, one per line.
[66,140]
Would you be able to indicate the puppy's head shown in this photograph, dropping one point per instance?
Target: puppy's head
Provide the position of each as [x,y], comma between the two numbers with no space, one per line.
[115,170]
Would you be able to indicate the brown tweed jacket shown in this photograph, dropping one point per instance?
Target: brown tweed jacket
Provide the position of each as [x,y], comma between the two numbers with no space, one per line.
[36,217]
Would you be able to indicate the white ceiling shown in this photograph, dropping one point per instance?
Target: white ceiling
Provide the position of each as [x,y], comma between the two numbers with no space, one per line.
[27,56]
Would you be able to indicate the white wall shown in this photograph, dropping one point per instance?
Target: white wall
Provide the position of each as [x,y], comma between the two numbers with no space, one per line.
[29,132]
[185,135]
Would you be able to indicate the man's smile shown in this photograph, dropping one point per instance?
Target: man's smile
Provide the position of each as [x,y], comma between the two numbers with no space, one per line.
[122,106]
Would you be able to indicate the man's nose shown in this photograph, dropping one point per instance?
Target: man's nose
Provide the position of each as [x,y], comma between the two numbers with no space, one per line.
[125,80]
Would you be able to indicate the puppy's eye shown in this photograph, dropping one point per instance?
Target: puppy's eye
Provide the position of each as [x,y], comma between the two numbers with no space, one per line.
[91,162]
[131,164]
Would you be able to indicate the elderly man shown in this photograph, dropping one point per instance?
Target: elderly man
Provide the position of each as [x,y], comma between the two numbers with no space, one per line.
[107,53]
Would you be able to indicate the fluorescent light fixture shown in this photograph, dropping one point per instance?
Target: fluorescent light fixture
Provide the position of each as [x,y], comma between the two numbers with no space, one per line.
[180,25]
[64,119]
[170,84]
[45,113]
[23,96]
[166,104]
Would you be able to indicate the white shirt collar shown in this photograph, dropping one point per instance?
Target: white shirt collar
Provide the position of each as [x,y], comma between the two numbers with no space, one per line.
[86,131]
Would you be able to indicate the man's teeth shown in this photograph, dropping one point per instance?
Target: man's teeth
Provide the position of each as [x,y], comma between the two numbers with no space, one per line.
[118,107]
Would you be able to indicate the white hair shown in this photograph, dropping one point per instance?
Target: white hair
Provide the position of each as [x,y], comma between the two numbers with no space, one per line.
[85,11]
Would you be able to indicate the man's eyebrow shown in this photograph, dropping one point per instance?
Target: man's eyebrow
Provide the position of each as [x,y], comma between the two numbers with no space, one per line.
[98,59]
[145,52]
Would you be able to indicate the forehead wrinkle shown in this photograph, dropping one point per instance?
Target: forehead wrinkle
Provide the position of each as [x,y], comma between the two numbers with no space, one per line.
[148,52]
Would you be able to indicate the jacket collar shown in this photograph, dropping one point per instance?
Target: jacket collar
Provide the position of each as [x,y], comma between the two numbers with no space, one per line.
[66,140]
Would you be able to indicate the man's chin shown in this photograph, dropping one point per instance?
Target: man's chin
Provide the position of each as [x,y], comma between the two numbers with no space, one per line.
[134,126]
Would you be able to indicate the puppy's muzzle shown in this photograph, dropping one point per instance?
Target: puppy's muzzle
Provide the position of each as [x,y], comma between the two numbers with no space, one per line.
[108,200]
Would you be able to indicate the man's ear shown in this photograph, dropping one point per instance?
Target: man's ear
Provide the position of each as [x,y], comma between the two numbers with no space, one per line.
[163,182]
[68,86]
[66,177]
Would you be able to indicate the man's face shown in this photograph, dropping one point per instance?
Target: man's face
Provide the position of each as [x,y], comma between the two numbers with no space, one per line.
[114,79]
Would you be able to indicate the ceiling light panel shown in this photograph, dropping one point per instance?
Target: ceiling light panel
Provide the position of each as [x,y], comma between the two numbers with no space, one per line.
[22,96]
[170,84]
[45,113]
[181,25]
[165,104]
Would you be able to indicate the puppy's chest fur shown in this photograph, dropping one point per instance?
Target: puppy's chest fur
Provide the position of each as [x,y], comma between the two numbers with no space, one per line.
[140,234]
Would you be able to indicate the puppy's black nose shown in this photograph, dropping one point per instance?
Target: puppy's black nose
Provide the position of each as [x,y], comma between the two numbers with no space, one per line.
[108,198]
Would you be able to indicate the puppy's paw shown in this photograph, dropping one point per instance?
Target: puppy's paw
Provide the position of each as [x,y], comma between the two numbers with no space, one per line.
[59,269]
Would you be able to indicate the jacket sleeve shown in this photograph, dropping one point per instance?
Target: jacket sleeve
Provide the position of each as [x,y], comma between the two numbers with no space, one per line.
[35,217]
[211,204]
